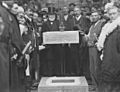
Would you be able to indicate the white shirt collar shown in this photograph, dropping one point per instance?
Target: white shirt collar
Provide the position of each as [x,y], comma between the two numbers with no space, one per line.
[66,17]
[97,22]
[77,18]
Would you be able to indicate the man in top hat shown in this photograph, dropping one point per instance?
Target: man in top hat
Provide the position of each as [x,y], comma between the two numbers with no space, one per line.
[52,54]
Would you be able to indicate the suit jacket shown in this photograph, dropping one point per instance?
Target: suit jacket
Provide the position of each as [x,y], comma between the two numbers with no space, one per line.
[47,27]
[68,23]
[83,23]
[50,26]
[94,32]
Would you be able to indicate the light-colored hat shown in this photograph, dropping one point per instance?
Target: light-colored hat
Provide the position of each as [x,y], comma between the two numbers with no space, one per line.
[20,9]
[108,5]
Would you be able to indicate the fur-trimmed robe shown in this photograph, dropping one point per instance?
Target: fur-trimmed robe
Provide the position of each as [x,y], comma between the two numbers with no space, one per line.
[109,68]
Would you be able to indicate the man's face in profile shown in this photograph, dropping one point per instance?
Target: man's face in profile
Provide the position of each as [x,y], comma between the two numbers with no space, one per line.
[113,13]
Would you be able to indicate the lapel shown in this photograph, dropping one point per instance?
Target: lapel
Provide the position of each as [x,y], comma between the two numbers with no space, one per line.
[96,28]
[78,21]
[49,25]
[52,27]
[92,28]
[66,18]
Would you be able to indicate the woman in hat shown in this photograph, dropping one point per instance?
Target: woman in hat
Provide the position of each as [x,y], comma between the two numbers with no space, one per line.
[109,45]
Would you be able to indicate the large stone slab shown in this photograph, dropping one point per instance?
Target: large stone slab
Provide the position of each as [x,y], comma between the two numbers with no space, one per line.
[63,84]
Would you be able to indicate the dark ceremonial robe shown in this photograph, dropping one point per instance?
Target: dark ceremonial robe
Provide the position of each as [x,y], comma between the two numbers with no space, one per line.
[17,74]
[81,55]
[109,68]
[4,52]
[51,63]
[9,39]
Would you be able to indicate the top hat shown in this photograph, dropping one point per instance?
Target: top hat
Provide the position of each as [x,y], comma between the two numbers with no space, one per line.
[51,10]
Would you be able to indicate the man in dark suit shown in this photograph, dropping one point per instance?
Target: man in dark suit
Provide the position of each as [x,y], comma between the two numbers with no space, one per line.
[81,23]
[52,54]
[92,37]
[68,23]
[68,20]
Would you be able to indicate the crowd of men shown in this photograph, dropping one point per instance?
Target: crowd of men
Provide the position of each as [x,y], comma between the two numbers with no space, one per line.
[24,59]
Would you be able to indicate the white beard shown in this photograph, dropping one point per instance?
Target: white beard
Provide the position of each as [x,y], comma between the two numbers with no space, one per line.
[51,19]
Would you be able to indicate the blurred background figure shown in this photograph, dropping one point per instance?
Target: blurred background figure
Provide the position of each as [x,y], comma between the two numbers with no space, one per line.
[72,6]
